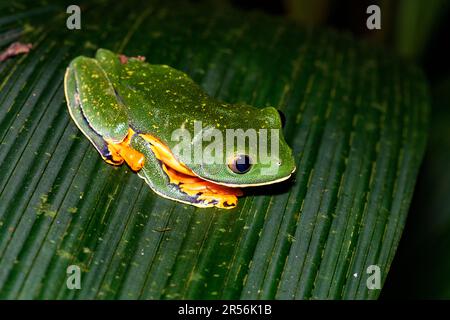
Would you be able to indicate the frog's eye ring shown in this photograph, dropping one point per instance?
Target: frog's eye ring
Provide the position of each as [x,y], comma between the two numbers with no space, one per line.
[240,164]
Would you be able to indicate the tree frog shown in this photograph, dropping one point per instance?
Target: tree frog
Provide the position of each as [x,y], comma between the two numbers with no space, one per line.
[130,111]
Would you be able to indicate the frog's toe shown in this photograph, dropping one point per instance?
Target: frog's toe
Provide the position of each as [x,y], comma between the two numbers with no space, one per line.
[120,152]
[202,193]
[218,200]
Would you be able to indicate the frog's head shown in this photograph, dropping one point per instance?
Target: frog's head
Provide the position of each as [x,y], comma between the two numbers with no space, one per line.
[254,151]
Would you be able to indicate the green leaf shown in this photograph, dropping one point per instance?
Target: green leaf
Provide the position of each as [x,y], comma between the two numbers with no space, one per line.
[356,120]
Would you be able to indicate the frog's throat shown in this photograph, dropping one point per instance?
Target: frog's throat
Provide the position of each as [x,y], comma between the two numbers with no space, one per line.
[205,193]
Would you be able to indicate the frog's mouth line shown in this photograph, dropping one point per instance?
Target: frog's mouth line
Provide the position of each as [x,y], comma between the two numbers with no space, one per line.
[165,155]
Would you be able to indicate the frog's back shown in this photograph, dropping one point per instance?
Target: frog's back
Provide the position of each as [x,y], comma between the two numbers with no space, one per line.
[159,97]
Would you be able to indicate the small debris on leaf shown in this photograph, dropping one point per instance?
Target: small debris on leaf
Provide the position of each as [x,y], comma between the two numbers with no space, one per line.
[15,49]
[162,229]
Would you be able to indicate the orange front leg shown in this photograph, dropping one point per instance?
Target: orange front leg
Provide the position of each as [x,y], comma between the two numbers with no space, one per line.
[133,158]
[123,151]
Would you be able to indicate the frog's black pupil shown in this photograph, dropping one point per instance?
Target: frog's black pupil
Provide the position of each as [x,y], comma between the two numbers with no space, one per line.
[242,164]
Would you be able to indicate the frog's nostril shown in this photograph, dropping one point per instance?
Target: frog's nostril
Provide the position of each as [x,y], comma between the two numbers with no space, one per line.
[282,117]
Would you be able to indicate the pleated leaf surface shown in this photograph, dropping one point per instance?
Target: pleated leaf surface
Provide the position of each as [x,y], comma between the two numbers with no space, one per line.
[356,119]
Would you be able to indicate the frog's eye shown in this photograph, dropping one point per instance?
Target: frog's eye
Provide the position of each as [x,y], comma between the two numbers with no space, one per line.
[240,164]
